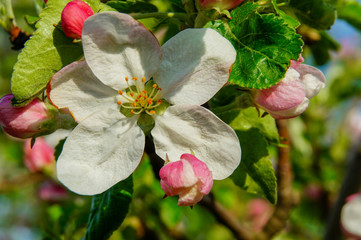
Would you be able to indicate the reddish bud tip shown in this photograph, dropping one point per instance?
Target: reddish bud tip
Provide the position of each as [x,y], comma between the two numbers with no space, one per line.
[73,16]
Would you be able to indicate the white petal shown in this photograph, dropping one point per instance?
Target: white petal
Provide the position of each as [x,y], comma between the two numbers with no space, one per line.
[75,87]
[351,216]
[185,127]
[102,150]
[117,46]
[195,65]
[313,79]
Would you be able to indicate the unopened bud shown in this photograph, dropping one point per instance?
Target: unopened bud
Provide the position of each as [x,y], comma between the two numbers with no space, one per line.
[73,16]
[290,97]
[24,122]
[39,156]
[52,192]
[189,178]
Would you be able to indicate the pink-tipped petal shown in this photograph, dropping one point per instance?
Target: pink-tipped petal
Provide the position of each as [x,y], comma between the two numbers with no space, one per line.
[189,178]
[287,94]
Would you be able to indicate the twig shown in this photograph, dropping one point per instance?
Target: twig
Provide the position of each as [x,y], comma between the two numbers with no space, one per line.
[351,184]
[285,198]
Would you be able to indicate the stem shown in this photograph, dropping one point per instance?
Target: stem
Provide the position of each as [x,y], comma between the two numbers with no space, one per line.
[181,16]
[226,218]
[351,184]
[285,198]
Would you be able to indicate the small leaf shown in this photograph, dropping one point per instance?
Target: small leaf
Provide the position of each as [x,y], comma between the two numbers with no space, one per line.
[315,13]
[45,53]
[59,149]
[132,6]
[288,19]
[265,45]
[109,210]
[255,172]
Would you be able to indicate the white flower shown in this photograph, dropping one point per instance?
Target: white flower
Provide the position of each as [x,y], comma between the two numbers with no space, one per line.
[186,71]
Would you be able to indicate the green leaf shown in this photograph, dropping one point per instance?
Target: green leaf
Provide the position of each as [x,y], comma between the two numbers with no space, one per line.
[59,149]
[255,172]
[288,19]
[125,6]
[31,20]
[321,48]
[350,11]
[318,14]
[45,53]
[265,45]
[109,210]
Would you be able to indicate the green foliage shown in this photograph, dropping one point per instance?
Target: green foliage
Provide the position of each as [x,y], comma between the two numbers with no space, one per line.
[351,12]
[59,148]
[47,51]
[265,45]
[321,49]
[255,173]
[288,19]
[318,14]
[109,210]
[125,6]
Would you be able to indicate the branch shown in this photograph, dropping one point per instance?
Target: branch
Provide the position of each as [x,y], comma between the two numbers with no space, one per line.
[285,197]
[351,184]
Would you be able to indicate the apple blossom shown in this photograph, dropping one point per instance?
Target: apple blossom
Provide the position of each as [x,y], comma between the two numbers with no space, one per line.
[39,156]
[189,178]
[221,4]
[24,122]
[290,97]
[73,16]
[351,217]
[127,78]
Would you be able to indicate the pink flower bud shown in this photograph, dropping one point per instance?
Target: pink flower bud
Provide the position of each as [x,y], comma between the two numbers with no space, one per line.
[52,192]
[22,122]
[290,97]
[221,4]
[189,178]
[38,157]
[73,16]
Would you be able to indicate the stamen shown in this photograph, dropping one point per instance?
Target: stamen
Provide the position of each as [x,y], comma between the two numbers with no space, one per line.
[120,92]
[143,79]
[126,79]
[134,104]
[135,78]
[132,94]
[154,85]
[152,112]
[159,101]
[119,103]
[149,101]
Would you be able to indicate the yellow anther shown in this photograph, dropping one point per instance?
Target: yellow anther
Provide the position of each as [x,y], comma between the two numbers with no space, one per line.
[131,111]
[145,92]
[131,94]
[154,85]
[149,101]
[119,103]
[143,79]
[126,79]
[120,92]
[134,104]
[135,78]
[151,111]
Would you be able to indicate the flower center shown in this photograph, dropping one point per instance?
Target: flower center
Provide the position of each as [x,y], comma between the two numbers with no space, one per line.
[141,97]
